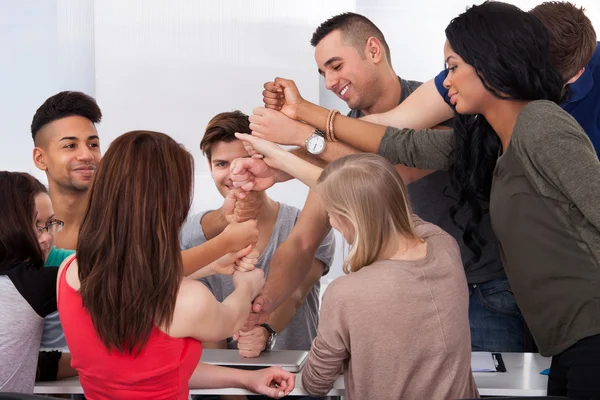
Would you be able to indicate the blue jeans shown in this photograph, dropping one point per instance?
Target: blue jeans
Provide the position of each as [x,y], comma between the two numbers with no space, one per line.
[496,321]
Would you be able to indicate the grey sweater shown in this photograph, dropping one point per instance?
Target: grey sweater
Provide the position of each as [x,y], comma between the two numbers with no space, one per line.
[544,210]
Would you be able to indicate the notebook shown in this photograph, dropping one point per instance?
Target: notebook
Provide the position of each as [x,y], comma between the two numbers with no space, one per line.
[289,360]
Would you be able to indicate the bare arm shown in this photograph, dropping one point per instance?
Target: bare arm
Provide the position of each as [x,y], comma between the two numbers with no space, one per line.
[284,313]
[292,259]
[199,315]
[423,109]
[253,340]
[273,382]
[234,237]
[276,127]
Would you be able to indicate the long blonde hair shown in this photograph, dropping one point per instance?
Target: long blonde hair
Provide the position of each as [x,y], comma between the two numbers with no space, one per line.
[367,191]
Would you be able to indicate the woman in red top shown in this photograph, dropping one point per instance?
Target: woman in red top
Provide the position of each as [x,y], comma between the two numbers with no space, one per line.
[132,323]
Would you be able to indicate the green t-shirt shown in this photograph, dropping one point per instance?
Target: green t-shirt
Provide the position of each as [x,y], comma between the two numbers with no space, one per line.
[57,256]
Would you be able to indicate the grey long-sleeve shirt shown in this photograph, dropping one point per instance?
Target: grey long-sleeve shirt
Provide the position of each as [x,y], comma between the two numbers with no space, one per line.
[545,213]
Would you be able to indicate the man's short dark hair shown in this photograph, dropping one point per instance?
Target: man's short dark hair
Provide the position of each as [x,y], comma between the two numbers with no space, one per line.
[222,128]
[572,35]
[62,105]
[355,28]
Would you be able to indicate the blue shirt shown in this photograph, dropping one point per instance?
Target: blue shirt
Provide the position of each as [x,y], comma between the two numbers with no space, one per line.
[583,102]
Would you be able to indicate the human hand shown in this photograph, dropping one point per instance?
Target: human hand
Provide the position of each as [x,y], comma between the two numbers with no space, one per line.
[247,205]
[276,127]
[282,95]
[254,280]
[227,264]
[240,234]
[272,382]
[262,307]
[247,262]
[252,174]
[252,342]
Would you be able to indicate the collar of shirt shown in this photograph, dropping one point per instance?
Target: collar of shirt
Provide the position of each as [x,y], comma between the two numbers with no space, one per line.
[582,86]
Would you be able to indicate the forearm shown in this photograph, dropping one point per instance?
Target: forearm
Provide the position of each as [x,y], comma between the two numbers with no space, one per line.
[282,316]
[311,158]
[362,135]
[322,368]
[423,109]
[202,272]
[335,150]
[236,308]
[214,377]
[213,223]
[292,260]
[221,345]
[293,165]
[200,256]
[64,367]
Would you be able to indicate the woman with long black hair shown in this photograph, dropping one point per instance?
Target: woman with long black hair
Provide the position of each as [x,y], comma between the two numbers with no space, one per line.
[512,144]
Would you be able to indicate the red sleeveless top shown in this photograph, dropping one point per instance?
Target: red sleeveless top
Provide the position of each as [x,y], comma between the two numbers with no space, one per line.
[161,371]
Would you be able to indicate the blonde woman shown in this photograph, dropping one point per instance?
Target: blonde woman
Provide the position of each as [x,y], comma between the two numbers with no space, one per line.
[397,324]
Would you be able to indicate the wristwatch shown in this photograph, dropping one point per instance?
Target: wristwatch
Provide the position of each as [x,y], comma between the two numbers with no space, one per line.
[272,337]
[315,144]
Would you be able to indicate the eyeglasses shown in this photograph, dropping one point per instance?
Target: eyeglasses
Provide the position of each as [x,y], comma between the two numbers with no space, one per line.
[52,227]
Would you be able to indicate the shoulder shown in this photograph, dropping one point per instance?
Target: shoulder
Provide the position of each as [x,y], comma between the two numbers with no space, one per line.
[36,285]
[595,61]
[337,290]
[544,126]
[57,256]
[286,217]
[431,233]
[192,297]
[191,233]
[412,85]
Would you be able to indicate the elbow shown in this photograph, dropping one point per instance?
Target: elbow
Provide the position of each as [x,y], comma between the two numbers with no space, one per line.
[313,386]
[297,299]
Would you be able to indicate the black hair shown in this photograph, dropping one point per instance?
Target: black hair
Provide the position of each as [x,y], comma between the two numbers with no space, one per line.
[356,28]
[509,50]
[62,105]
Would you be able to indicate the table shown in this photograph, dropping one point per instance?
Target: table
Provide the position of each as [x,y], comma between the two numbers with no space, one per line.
[522,378]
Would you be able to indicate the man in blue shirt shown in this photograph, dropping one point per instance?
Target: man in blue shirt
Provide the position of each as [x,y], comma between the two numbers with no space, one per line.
[576,54]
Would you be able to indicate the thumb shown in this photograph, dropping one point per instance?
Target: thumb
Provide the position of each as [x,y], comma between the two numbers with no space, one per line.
[271,391]
[257,304]
[245,137]
[236,336]
[243,252]
[284,83]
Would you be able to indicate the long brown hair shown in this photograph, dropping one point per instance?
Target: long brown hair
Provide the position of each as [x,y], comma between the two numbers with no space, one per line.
[128,248]
[18,240]
[366,191]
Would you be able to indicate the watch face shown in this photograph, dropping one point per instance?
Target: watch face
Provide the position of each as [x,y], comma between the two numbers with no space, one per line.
[315,144]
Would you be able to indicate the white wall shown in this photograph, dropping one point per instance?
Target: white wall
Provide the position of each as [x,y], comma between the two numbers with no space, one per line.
[171,65]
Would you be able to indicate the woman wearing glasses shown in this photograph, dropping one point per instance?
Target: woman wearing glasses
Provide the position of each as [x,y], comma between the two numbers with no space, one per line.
[53,363]
[27,289]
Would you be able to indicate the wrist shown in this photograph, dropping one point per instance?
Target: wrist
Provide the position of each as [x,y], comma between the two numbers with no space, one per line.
[304,132]
[225,243]
[221,216]
[301,110]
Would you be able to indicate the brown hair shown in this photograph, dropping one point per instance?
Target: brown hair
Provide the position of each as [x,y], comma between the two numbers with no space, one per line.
[572,36]
[222,128]
[367,192]
[128,250]
[18,239]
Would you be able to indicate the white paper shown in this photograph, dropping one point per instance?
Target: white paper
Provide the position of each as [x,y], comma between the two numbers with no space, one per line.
[482,362]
